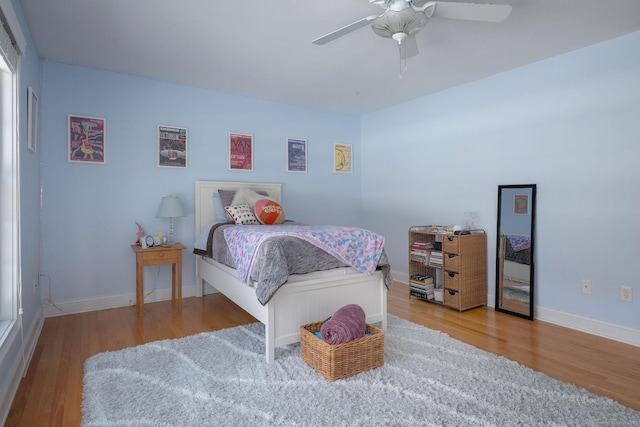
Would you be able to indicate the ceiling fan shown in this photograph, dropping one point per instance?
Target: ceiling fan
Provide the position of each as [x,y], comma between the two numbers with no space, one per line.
[402,19]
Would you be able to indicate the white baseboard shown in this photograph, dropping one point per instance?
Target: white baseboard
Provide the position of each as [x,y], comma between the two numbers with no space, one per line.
[20,364]
[591,326]
[61,308]
[611,331]
[568,320]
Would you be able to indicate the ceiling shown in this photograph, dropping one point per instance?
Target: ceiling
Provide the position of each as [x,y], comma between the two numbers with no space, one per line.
[263,49]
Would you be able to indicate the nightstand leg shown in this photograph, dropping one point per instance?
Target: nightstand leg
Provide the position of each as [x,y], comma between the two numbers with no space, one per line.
[173,282]
[180,281]
[139,289]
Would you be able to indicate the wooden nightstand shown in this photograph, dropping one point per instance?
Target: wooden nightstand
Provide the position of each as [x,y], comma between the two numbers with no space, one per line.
[158,256]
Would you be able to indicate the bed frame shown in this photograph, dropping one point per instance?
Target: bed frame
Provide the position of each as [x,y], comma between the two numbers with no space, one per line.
[305,298]
[517,272]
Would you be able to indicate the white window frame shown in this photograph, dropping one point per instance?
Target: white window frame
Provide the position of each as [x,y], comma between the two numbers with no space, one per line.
[9,214]
[12,44]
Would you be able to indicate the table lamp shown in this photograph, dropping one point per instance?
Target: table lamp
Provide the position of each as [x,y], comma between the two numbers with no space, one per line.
[170,207]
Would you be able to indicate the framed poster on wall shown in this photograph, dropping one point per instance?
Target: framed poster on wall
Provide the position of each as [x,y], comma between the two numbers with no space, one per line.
[342,159]
[86,139]
[521,204]
[296,155]
[172,146]
[240,152]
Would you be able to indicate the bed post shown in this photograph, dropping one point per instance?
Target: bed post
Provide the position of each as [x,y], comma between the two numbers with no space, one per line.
[199,283]
[383,302]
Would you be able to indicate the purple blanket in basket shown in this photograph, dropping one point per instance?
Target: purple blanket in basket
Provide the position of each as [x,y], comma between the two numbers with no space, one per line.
[346,324]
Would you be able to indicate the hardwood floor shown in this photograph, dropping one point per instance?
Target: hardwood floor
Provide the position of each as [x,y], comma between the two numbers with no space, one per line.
[51,392]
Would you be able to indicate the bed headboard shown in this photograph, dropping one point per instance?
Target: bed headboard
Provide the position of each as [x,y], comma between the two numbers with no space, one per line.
[205,189]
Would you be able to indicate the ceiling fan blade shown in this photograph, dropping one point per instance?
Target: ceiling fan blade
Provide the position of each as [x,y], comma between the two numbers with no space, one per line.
[344,30]
[472,11]
[411,46]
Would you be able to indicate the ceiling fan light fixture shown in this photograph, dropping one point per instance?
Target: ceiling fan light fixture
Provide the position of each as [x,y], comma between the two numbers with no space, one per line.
[405,21]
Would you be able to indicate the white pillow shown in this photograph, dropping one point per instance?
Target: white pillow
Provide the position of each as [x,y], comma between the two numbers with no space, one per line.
[246,196]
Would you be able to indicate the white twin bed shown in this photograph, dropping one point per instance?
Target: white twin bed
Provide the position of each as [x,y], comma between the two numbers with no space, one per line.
[304,298]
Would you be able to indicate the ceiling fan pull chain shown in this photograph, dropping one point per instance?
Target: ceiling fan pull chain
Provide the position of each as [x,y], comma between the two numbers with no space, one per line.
[403,59]
[402,51]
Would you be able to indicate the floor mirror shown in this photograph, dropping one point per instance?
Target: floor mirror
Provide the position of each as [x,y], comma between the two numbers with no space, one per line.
[515,249]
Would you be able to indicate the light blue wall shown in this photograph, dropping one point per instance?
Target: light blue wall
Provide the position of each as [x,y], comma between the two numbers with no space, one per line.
[89,210]
[569,124]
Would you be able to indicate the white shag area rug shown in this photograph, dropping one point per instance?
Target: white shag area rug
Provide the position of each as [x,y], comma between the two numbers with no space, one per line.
[428,379]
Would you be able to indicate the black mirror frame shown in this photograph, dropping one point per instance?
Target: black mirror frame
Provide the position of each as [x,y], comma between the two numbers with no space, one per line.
[532,260]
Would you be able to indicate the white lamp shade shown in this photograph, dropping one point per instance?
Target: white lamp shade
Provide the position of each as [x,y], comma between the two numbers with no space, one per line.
[170,207]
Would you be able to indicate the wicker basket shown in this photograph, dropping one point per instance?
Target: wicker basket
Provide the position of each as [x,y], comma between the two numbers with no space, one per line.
[341,360]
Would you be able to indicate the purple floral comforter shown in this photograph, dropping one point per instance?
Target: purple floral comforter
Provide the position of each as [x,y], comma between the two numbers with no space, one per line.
[519,242]
[356,247]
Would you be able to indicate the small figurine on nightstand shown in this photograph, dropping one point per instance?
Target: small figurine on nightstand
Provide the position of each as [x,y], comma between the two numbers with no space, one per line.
[140,234]
[158,238]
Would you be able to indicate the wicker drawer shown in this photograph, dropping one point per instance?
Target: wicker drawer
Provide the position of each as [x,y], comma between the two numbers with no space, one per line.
[451,262]
[451,280]
[450,243]
[451,298]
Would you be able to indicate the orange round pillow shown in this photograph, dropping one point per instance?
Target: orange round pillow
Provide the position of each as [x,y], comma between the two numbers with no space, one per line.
[269,212]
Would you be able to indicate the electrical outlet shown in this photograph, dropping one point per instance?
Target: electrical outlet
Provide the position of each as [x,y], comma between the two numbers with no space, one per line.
[626,293]
[586,287]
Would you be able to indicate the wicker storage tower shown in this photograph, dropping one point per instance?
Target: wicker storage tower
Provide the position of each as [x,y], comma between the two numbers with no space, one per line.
[460,269]
[465,270]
